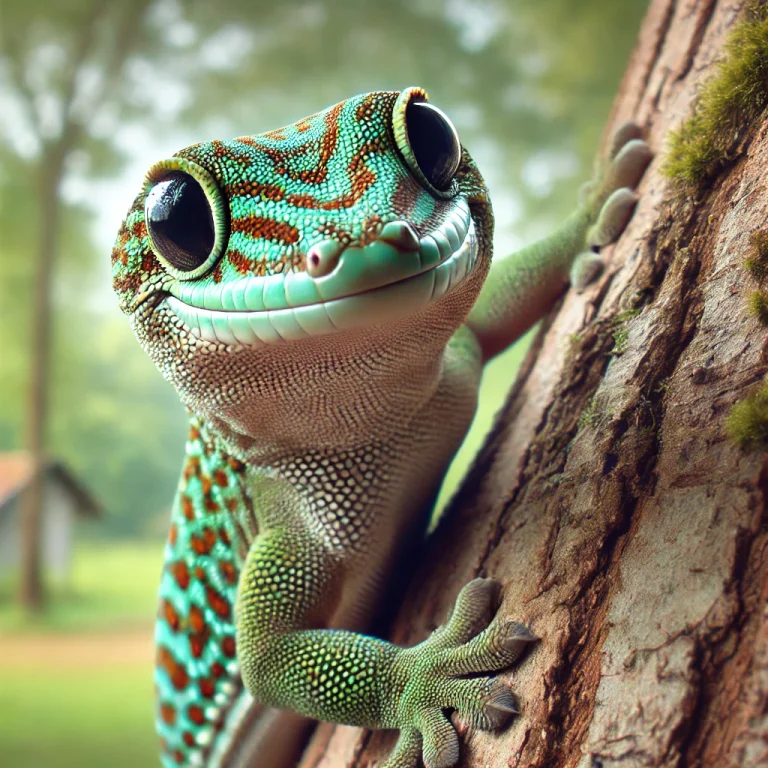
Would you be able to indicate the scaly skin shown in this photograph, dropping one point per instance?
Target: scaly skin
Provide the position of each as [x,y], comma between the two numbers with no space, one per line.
[329,351]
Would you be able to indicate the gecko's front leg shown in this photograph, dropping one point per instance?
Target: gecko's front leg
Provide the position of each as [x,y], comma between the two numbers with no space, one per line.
[291,578]
[522,287]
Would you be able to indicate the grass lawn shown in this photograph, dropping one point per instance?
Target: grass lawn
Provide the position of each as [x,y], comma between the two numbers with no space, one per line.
[77,717]
[76,682]
[111,583]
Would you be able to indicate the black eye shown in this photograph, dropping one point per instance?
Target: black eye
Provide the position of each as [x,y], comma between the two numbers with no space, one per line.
[180,221]
[434,143]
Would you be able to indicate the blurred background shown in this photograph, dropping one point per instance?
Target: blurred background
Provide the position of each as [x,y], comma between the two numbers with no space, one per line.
[92,92]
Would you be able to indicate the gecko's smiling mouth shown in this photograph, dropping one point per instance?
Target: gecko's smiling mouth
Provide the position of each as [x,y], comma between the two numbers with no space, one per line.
[369,285]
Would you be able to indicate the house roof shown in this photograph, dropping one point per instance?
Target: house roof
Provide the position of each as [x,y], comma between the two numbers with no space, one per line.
[16,472]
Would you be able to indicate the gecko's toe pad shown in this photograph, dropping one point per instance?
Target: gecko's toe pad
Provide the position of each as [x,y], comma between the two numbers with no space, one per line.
[586,268]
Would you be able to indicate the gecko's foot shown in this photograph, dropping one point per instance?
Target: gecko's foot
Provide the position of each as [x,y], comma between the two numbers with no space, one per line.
[610,199]
[453,670]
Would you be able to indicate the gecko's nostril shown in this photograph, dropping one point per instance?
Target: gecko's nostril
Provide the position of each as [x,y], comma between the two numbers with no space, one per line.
[323,257]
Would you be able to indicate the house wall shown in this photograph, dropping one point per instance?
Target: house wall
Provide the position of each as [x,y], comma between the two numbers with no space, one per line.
[58,517]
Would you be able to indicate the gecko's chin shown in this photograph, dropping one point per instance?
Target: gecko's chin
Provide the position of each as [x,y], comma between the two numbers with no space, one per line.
[372,285]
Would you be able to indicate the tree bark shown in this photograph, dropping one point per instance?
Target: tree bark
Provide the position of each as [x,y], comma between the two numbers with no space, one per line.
[626,526]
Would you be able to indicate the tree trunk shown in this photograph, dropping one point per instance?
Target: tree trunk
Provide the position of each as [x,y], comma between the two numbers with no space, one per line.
[31,582]
[624,523]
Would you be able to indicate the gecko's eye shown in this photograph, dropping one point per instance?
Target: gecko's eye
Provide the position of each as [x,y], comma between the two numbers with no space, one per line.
[427,141]
[434,142]
[185,219]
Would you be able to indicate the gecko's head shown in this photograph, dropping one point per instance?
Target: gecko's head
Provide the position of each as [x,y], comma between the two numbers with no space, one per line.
[364,221]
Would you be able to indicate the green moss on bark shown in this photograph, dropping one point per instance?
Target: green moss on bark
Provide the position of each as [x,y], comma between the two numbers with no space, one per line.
[728,104]
[747,423]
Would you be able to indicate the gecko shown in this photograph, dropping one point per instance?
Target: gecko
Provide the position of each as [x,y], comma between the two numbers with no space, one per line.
[323,299]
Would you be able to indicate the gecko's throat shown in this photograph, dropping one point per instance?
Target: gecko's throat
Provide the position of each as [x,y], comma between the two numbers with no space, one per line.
[370,285]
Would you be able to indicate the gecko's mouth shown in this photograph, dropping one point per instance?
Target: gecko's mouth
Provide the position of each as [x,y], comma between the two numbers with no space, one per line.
[372,284]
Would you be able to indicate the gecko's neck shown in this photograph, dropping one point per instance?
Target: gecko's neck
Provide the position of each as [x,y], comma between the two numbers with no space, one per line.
[328,396]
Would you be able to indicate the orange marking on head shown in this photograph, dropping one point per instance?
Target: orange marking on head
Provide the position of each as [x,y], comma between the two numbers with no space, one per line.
[139,230]
[266,229]
[251,188]
[218,276]
[119,254]
[245,266]
[365,109]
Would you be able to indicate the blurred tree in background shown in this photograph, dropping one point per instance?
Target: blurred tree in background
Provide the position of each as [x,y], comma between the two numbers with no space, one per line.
[92,92]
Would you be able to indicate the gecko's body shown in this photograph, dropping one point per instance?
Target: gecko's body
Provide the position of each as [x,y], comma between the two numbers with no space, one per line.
[310,293]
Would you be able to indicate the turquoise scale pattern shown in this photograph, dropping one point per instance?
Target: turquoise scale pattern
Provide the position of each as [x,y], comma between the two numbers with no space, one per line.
[199,691]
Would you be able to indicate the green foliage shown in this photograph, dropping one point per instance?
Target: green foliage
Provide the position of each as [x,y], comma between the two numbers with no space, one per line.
[729,103]
[758,306]
[756,262]
[747,423]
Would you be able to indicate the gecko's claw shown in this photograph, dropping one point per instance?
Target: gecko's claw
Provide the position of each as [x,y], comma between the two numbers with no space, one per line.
[453,669]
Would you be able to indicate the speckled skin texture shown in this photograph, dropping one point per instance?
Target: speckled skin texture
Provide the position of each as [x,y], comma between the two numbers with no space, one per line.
[317,445]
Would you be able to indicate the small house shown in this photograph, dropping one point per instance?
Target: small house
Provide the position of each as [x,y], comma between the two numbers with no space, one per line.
[65,500]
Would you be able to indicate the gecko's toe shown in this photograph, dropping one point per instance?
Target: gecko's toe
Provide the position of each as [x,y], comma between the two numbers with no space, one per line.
[623,135]
[613,217]
[586,268]
[629,164]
